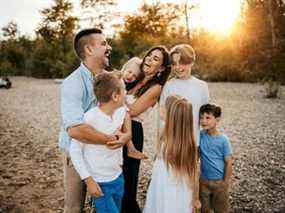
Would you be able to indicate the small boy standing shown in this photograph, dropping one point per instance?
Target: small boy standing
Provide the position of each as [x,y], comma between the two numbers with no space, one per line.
[216,162]
[98,165]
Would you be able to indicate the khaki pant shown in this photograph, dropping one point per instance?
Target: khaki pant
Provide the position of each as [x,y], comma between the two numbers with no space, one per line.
[74,188]
[214,195]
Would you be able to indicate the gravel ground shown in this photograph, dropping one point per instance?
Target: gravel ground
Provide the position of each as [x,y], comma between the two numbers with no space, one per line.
[31,168]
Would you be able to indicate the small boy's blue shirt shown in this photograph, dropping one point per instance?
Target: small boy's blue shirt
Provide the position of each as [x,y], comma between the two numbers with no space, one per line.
[213,151]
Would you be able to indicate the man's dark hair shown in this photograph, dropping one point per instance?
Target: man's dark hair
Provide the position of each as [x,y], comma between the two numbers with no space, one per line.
[81,39]
[216,111]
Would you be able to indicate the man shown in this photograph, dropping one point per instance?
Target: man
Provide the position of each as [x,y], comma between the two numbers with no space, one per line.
[76,98]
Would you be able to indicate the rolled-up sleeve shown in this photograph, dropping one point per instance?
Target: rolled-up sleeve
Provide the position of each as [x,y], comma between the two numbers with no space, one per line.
[71,94]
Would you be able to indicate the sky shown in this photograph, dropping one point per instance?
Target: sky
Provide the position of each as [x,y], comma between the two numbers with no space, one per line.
[217,16]
[26,12]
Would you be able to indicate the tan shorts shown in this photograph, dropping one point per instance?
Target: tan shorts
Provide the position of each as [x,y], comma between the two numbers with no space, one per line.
[214,195]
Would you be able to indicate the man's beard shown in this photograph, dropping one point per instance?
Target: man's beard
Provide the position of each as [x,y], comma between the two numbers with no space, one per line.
[107,64]
[108,67]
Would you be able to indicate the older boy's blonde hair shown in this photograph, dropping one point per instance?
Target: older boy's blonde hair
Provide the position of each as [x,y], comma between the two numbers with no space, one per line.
[186,53]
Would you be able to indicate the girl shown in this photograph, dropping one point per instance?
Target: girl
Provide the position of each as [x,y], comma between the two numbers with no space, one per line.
[131,72]
[174,177]
[184,84]
[145,93]
[131,75]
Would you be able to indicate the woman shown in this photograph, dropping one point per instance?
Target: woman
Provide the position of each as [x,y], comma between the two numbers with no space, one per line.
[145,93]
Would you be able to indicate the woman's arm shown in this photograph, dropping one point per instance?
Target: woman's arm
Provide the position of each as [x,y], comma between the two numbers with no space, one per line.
[148,99]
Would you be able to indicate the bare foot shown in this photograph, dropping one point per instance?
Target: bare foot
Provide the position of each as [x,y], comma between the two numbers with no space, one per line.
[133,153]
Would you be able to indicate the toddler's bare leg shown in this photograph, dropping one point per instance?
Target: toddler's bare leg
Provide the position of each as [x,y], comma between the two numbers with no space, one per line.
[134,153]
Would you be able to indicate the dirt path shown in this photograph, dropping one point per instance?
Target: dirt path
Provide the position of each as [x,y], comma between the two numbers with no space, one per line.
[31,170]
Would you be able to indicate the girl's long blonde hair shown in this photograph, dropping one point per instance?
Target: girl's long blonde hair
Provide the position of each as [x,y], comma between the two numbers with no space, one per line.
[177,145]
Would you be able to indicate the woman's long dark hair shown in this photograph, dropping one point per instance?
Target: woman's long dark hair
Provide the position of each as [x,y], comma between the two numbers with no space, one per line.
[161,77]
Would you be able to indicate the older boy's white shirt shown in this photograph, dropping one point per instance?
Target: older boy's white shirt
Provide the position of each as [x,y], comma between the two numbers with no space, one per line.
[98,161]
[194,90]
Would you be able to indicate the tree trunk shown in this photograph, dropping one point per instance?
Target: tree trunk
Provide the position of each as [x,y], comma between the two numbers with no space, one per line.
[272,24]
[187,20]
[272,86]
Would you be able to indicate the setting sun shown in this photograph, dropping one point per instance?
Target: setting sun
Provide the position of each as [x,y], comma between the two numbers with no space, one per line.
[216,16]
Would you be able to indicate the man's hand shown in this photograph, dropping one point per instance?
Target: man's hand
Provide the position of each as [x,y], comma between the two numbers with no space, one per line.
[122,139]
[93,187]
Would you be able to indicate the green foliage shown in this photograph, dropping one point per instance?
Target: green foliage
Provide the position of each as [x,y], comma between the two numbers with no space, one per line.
[46,63]
[50,55]
[246,55]
[12,57]
[6,68]
[152,25]
[11,30]
[97,12]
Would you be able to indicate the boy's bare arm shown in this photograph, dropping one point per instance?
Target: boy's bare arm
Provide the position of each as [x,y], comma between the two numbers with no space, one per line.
[228,169]
[88,135]
[93,187]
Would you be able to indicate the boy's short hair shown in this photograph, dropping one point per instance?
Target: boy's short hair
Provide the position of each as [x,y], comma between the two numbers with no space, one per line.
[216,111]
[81,39]
[105,84]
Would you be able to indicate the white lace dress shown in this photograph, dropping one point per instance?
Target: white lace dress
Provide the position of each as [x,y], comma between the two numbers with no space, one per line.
[130,99]
[166,194]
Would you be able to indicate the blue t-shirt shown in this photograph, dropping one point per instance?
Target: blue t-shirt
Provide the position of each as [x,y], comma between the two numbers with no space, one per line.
[213,151]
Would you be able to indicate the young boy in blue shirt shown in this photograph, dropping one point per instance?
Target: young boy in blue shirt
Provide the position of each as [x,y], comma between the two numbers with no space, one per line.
[216,162]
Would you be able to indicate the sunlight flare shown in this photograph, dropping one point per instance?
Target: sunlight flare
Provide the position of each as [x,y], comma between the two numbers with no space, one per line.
[216,16]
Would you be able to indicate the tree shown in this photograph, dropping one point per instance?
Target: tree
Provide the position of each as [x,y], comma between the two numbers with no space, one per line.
[55,39]
[97,12]
[12,55]
[187,17]
[273,81]
[154,24]
[57,24]
[272,23]
[10,30]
